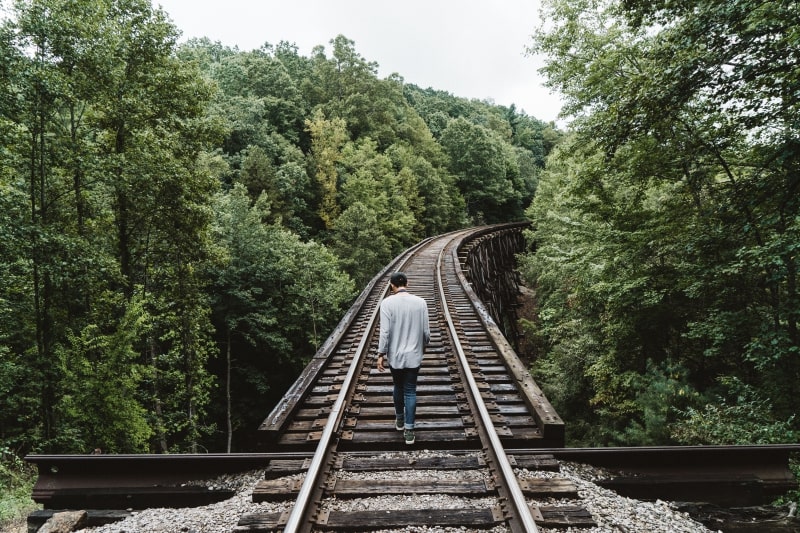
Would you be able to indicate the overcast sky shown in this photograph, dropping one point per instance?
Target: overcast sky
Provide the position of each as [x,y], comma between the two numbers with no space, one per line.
[470,48]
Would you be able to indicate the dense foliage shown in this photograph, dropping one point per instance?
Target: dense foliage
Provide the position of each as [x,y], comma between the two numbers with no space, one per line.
[181,226]
[668,225]
[16,479]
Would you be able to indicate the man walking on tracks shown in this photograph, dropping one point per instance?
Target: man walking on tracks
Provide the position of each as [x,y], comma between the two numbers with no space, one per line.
[404,333]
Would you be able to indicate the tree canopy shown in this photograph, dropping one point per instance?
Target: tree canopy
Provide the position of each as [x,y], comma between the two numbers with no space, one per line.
[182,225]
[667,225]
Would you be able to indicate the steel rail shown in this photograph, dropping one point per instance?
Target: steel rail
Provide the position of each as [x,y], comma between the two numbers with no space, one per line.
[517,497]
[334,419]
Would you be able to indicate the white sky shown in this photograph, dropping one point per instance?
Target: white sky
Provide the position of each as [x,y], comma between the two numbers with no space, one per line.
[469,48]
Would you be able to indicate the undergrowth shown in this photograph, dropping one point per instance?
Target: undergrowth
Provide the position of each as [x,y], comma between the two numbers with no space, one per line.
[16,484]
[794,495]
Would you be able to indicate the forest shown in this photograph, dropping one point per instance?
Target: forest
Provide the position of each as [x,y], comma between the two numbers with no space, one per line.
[183,224]
[667,224]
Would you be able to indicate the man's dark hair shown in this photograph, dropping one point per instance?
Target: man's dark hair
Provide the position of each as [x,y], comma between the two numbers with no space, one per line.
[399,279]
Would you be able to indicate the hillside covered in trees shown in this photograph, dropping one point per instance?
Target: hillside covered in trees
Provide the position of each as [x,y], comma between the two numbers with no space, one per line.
[182,225]
[668,224]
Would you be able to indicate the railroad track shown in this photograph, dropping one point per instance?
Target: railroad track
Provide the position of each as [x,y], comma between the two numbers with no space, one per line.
[521,414]
[112,487]
[481,420]
[471,404]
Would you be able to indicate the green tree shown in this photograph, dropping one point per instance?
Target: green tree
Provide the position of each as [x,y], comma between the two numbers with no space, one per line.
[358,241]
[368,177]
[437,205]
[327,139]
[736,414]
[278,169]
[273,299]
[106,405]
[21,394]
[52,88]
[677,201]
[348,88]
[241,303]
[486,170]
[256,93]
[103,132]
[317,294]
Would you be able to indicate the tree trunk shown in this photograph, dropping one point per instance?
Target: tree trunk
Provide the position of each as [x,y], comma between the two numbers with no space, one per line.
[162,437]
[228,391]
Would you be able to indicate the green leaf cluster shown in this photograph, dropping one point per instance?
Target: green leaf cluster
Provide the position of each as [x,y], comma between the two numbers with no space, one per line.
[666,226]
[739,416]
[17,479]
[182,225]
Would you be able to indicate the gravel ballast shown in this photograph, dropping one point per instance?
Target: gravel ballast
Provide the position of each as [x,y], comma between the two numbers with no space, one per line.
[611,512]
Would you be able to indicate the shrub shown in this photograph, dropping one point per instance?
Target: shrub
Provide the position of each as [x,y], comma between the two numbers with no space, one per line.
[740,416]
[16,483]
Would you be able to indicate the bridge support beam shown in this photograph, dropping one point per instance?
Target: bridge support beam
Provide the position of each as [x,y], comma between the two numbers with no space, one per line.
[487,259]
[489,264]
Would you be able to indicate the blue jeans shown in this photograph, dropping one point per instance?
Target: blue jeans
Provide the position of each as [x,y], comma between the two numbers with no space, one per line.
[405,394]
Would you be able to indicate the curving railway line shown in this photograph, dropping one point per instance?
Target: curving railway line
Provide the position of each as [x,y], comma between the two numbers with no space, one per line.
[474,399]
[464,341]
[481,420]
